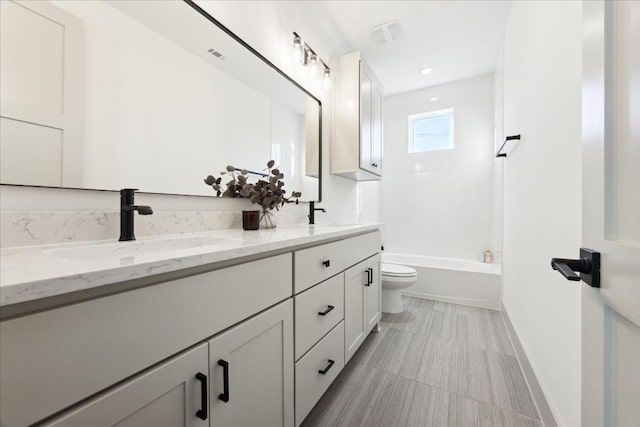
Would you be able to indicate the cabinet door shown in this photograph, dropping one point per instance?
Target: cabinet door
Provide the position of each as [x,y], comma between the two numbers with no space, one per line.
[251,369]
[170,395]
[355,280]
[372,305]
[365,120]
[376,130]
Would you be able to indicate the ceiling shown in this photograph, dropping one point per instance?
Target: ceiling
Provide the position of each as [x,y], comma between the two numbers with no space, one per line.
[457,39]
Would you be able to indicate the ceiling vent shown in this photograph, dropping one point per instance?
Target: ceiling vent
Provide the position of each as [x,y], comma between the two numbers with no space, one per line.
[386,33]
[216,54]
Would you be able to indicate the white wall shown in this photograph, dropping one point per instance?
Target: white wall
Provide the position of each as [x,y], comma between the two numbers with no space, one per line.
[439,203]
[542,101]
[268,28]
[259,24]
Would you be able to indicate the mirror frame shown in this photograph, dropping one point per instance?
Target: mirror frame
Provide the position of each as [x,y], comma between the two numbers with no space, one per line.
[231,34]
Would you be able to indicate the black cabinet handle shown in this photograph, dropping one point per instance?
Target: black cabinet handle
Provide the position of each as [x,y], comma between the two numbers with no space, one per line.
[369,276]
[324,313]
[375,165]
[325,370]
[224,396]
[202,412]
[326,262]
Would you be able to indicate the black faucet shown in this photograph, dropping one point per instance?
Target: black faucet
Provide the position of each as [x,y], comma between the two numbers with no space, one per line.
[126,213]
[312,212]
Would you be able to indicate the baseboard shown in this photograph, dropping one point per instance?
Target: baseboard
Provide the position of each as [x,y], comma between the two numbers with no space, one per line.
[472,302]
[534,386]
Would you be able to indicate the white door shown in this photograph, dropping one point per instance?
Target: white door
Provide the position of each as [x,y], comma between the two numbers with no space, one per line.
[41,94]
[365,119]
[168,395]
[611,213]
[376,130]
[355,280]
[373,290]
[251,368]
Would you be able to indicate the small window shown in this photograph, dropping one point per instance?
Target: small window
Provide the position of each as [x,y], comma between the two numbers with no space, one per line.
[431,131]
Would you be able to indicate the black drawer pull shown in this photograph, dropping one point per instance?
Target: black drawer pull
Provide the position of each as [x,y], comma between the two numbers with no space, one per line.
[224,396]
[369,272]
[202,412]
[325,370]
[324,313]
[375,165]
[326,262]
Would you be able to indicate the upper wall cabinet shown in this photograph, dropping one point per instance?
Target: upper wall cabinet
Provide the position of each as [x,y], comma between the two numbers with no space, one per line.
[357,122]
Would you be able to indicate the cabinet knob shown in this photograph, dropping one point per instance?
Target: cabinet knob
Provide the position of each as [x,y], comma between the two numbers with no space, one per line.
[326,262]
[375,165]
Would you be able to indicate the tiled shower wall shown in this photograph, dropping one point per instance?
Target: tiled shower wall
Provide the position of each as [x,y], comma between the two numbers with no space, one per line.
[441,203]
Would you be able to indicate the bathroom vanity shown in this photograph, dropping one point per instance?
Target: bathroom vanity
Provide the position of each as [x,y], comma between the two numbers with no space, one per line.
[225,328]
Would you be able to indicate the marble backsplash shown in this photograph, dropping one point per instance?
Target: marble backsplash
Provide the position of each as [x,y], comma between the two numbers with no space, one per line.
[41,228]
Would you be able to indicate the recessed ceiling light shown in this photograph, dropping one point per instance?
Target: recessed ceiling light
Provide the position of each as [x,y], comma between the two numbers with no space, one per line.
[426,71]
[435,98]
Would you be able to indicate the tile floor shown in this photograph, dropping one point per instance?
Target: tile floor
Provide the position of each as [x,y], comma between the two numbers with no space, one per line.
[435,364]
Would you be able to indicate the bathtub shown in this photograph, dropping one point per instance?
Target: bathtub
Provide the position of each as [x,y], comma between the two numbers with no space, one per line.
[458,281]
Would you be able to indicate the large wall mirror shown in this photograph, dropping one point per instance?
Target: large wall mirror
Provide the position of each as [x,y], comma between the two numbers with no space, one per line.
[151,94]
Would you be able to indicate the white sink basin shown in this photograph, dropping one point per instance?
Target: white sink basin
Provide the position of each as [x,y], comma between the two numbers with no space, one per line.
[137,247]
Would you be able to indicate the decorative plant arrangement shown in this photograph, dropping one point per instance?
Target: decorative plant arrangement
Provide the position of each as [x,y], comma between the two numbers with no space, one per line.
[268,192]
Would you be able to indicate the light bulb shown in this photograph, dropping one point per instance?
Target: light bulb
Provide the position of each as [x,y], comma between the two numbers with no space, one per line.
[326,79]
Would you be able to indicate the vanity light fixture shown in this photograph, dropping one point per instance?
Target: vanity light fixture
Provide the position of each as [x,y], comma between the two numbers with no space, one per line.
[426,71]
[305,55]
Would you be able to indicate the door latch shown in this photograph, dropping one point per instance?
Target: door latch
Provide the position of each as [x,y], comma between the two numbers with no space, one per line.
[588,266]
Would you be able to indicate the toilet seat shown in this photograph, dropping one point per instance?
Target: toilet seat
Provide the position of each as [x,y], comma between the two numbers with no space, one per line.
[397,271]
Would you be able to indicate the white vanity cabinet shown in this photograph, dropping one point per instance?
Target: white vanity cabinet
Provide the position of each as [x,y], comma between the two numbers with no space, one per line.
[253,343]
[357,148]
[332,317]
[251,368]
[55,358]
[362,303]
[171,394]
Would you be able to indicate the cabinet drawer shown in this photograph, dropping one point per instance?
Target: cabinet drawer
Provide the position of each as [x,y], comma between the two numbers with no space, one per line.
[327,298]
[311,264]
[361,247]
[310,382]
[316,264]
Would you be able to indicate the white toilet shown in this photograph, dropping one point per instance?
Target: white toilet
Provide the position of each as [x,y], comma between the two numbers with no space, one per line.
[395,278]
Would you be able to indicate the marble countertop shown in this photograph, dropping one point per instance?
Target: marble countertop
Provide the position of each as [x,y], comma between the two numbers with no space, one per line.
[33,272]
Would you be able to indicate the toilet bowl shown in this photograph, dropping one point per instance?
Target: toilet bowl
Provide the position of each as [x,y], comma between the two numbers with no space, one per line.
[395,278]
